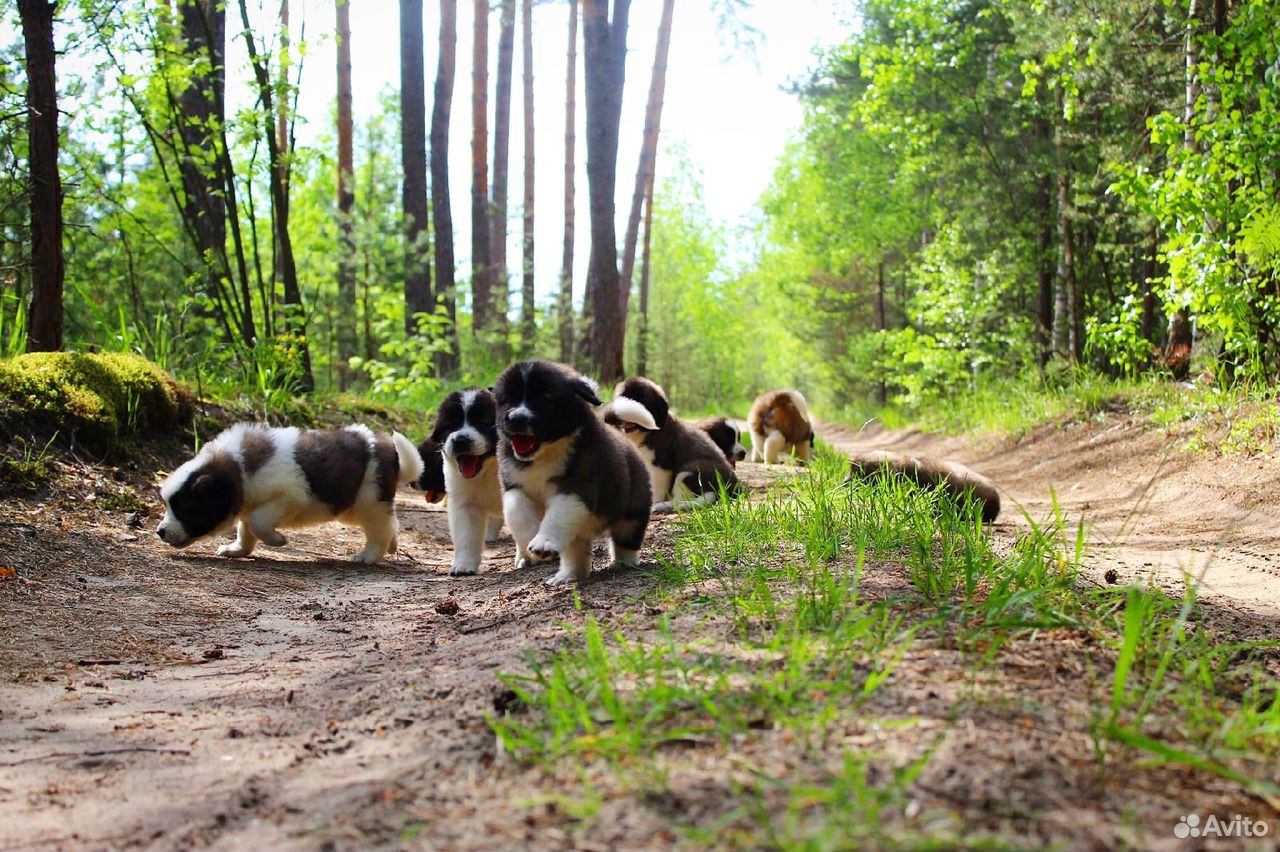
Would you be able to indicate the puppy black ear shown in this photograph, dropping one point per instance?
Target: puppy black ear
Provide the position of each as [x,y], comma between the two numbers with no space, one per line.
[587,389]
[661,409]
[438,434]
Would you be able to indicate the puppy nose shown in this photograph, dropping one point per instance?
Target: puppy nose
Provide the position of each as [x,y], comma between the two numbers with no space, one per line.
[461,443]
[160,532]
[519,420]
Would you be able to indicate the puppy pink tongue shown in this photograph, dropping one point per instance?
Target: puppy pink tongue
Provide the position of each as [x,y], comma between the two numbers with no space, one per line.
[468,465]
[523,444]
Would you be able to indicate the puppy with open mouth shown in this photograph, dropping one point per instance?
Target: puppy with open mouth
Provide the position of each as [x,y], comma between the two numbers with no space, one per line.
[686,468]
[726,435]
[259,479]
[467,435]
[566,476]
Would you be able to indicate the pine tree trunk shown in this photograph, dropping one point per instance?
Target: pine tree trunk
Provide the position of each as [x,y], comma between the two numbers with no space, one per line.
[1047,291]
[1064,309]
[648,149]
[882,390]
[441,215]
[346,313]
[528,326]
[1177,354]
[642,342]
[295,311]
[44,319]
[481,289]
[501,170]
[203,26]
[564,304]
[604,56]
[413,158]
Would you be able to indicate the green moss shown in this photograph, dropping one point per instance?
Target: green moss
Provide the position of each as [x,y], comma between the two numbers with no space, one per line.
[95,398]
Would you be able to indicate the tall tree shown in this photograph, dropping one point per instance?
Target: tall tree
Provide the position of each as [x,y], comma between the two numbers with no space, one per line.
[44,320]
[413,156]
[528,329]
[295,311]
[345,331]
[564,304]
[648,149]
[481,286]
[501,168]
[642,330]
[282,118]
[200,119]
[604,59]
[441,214]
[1177,353]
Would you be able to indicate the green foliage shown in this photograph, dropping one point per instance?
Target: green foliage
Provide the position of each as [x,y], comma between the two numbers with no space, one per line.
[94,398]
[717,336]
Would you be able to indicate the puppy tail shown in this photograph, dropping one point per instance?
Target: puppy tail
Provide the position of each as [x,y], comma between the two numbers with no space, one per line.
[410,460]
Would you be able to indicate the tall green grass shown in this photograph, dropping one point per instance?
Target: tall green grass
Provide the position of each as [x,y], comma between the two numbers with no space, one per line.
[770,626]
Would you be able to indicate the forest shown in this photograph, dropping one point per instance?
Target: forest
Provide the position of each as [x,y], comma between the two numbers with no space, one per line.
[1032,245]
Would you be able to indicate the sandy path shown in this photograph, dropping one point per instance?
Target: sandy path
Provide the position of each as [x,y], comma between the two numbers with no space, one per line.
[156,699]
[1151,509]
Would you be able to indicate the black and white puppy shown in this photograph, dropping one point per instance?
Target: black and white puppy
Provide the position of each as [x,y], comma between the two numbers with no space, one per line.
[685,468]
[466,432]
[566,477]
[260,479]
[726,435]
[431,483]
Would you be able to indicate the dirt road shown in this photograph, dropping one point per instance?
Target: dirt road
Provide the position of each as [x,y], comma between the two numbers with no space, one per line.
[1151,508]
[151,699]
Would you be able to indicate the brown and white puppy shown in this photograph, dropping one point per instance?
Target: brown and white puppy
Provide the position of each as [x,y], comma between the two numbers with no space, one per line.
[780,423]
[724,433]
[466,432]
[260,479]
[566,477]
[957,479]
[685,468]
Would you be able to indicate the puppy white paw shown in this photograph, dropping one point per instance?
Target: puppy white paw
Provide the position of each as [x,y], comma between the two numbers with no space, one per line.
[563,577]
[234,550]
[273,538]
[368,556]
[464,569]
[543,548]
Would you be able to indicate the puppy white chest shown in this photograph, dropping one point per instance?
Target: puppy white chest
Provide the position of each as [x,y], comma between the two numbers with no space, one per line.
[534,479]
[659,477]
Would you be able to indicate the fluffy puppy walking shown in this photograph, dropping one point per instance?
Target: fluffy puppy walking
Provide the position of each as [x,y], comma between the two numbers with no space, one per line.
[467,435]
[260,479]
[685,468]
[780,423]
[566,477]
[724,433]
[957,479]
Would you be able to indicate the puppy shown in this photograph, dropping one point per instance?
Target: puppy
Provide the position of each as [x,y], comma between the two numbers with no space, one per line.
[779,422]
[957,479]
[724,433]
[685,468]
[431,483]
[467,434]
[566,476]
[259,479]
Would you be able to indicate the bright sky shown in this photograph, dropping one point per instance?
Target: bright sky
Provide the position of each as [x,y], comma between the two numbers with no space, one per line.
[729,111]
